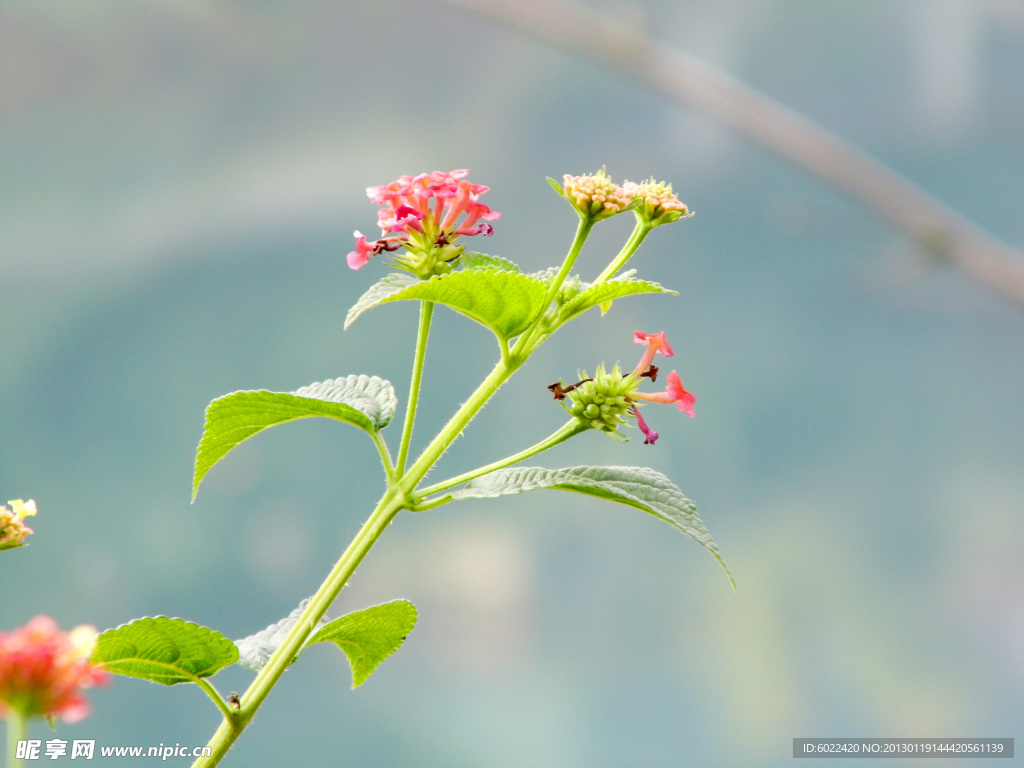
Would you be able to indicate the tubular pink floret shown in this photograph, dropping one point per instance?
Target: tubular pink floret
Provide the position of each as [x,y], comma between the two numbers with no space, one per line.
[680,396]
[650,436]
[361,255]
[656,343]
[674,393]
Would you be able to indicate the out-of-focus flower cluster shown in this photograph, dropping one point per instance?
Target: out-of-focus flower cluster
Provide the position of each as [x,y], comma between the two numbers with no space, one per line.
[12,523]
[422,215]
[43,670]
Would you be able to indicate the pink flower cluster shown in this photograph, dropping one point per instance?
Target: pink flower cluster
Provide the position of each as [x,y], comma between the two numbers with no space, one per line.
[674,391]
[43,670]
[422,212]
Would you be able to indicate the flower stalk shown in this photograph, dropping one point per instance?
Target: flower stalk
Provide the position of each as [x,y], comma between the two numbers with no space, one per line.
[426,312]
[16,731]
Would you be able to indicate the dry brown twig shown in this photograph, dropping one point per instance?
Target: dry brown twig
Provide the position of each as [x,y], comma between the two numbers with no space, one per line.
[936,228]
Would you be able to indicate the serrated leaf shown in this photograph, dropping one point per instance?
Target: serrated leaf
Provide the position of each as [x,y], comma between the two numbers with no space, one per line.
[367,402]
[369,636]
[604,293]
[505,302]
[163,650]
[387,286]
[474,260]
[255,650]
[639,487]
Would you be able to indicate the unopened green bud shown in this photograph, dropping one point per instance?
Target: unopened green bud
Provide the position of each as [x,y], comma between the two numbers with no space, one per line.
[430,261]
[604,400]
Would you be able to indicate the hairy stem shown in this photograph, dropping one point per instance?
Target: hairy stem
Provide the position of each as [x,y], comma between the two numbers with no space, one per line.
[231,728]
[216,698]
[385,455]
[569,429]
[635,239]
[532,337]
[399,495]
[498,376]
[426,312]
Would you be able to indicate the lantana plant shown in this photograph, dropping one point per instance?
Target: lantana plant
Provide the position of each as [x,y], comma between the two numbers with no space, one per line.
[425,222]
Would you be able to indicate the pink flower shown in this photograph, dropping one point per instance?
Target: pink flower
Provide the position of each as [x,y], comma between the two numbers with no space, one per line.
[674,393]
[422,214]
[674,390]
[43,670]
[361,255]
[650,436]
[655,343]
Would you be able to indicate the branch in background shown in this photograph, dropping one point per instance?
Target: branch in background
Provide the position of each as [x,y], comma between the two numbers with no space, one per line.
[936,228]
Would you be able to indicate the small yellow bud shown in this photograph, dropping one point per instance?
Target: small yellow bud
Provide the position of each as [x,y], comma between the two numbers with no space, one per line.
[657,203]
[595,197]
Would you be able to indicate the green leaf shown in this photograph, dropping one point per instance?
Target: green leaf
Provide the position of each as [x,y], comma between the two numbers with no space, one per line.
[163,650]
[379,292]
[369,636]
[604,293]
[506,302]
[367,402]
[474,260]
[639,487]
[255,650]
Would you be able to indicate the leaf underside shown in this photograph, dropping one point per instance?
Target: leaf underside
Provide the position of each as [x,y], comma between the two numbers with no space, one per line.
[163,650]
[255,650]
[367,402]
[639,487]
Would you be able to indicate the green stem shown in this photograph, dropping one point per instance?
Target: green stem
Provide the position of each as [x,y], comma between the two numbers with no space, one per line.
[426,312]
[582,233]
[385,455]
[498,376]
[15,732]
[529,341]
[215,696]
[231,728]
[640,231]
[396,497]
[569,429]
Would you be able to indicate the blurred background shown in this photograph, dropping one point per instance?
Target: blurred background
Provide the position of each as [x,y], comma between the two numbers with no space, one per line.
[179,183]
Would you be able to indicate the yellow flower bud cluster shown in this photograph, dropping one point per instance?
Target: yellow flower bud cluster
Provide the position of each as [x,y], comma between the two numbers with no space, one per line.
[658,204]
[596,196]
